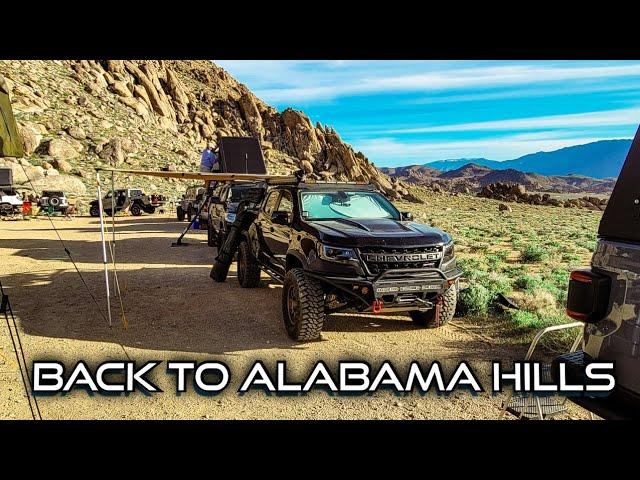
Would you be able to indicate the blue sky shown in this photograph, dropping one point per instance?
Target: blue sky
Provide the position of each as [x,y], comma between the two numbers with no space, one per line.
[413,112]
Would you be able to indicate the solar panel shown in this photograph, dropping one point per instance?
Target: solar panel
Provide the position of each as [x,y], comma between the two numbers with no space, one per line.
[241,155]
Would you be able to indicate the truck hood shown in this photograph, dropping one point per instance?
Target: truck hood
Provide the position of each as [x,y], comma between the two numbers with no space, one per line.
[377,232]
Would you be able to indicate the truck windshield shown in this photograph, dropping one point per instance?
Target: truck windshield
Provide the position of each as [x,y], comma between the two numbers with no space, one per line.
[344,204]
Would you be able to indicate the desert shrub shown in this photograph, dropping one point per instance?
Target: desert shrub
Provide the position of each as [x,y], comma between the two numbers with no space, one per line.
[513,271]
[470,265]
[496,259]
[533,253]
[474,300]
[570,257]
[483,288]
[537,301]
[527,282]
[526,319]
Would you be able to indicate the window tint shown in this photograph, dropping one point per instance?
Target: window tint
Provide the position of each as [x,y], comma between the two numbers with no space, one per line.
[286,203]
[271,202]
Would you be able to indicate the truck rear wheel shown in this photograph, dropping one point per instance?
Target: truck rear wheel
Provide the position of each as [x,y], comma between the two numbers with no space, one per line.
[136,210]
[248,268]
[302,306]
[447,309]
[180,214]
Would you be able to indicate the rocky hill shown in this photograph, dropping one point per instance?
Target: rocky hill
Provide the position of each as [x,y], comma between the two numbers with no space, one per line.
[472,177]
[75,115]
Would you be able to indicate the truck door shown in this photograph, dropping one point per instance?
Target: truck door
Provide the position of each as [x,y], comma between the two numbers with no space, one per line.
[264,225]
[281,233]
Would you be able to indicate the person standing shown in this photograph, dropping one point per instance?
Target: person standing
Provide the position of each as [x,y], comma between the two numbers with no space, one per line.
[209,161]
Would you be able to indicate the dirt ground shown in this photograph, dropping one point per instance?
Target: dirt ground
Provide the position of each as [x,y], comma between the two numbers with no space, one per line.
[175,311]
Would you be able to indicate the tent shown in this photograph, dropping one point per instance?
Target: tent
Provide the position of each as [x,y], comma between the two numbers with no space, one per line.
[10,141]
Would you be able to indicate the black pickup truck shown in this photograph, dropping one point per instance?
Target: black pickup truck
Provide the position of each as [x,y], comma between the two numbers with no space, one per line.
[344,246]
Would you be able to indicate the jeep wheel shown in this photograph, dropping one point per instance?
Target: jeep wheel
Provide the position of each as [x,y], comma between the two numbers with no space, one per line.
[180,213]
[248,268]
[136,211]
[302,306]
[94,211]
[447,309]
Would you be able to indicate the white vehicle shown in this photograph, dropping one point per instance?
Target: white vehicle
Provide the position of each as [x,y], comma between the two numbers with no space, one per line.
[10,201]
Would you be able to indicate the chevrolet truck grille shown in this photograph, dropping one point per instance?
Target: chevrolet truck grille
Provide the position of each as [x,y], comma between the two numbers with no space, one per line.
[380,259]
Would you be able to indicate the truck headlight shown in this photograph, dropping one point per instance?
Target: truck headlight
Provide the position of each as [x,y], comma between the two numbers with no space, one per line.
[337,254]
[448,253]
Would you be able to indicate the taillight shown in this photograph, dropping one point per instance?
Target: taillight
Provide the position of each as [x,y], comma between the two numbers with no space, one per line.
[588,296]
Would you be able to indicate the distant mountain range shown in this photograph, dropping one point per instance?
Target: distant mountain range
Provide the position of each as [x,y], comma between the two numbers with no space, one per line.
[601,159]
[471,177]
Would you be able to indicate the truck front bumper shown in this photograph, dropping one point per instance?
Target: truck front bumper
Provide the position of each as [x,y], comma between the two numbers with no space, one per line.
[395,290]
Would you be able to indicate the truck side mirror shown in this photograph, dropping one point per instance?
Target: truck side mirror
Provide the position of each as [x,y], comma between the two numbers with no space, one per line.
[407,216]
[281,218]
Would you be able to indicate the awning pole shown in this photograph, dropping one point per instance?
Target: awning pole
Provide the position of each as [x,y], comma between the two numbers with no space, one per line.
[104,249]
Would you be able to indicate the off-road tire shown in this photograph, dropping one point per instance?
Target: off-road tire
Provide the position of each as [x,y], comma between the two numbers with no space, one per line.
[447,309]
[219,272]
[304,322]
[136,211]
[248,267]
[190,213]
[94,211]
[180,214]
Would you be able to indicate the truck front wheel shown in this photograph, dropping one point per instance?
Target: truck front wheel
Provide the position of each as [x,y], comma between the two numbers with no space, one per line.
[94,211]
[302,306]
[180,213]
[429,319]
[248,268]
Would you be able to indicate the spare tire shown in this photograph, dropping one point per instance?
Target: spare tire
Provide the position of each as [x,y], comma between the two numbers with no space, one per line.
[54,201]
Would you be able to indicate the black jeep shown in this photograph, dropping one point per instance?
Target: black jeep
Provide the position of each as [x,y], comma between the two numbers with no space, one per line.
[223,205]
[344,246]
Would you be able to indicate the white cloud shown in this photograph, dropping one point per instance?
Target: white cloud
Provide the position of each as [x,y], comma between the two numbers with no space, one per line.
[306,81]
[625,116]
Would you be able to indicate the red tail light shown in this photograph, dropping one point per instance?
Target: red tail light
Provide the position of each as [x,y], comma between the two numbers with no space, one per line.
[588,296]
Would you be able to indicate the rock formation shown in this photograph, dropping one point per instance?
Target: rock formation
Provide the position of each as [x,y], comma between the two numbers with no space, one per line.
[513,192]
[149,114]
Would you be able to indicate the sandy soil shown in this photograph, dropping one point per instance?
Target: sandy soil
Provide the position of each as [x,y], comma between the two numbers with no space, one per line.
[175,311]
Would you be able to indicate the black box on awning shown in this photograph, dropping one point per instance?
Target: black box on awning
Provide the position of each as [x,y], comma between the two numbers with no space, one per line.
[241,155]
